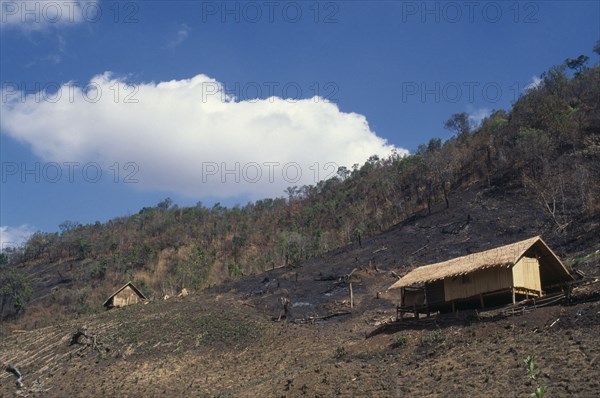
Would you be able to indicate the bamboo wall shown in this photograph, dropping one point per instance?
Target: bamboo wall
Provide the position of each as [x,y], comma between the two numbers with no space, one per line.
[125,297]
[482,281]
[526,274]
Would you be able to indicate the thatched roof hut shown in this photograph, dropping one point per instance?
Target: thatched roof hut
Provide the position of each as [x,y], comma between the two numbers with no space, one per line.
[126,295]
[526,268]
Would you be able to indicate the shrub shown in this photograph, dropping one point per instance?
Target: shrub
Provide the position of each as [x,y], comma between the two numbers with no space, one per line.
[15,292]
[434,338]
[234,270]
[99,270]
[399,341]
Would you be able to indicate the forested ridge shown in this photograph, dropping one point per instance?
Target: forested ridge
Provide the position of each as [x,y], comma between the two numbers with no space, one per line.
[548,144]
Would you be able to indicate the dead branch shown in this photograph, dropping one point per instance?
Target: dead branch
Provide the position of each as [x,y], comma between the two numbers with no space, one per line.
[15,371]
[286,308]
[326,278]
[381,249]
[312,319]
[349,276]
[82,332]
[415,252]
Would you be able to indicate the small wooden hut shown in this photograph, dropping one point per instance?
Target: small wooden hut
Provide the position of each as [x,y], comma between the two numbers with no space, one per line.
[524,269]
[126,295]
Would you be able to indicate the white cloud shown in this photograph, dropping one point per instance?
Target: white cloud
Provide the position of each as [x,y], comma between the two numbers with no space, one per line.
[535,83]
[476,116]
[190,138]
[182,35]
[14,236]
[35,15]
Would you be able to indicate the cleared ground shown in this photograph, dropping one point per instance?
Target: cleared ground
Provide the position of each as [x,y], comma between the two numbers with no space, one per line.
[213,345]
[224,342]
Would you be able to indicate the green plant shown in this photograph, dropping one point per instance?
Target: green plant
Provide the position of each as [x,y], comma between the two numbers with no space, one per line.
[15,292]
[434,338]
[99,270]
[3,260]
[84,248]
[399,342]
[234,270]
[340,351]
[535,375]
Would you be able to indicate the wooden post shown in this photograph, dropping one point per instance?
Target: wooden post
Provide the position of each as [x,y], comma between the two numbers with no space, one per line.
[351,296]
[514,296]
[426,302]
[415,311]
[481,300]
[453,306]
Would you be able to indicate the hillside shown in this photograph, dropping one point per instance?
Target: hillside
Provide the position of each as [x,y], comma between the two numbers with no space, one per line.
[532,170]
[223,341]
[543,155]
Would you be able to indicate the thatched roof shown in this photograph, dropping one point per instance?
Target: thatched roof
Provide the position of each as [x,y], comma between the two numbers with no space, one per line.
[552,269]
[132,286]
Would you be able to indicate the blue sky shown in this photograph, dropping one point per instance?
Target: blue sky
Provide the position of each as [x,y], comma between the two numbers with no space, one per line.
[108,107]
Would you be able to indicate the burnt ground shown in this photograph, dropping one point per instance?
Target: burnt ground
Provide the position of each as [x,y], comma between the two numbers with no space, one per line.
[223,342]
